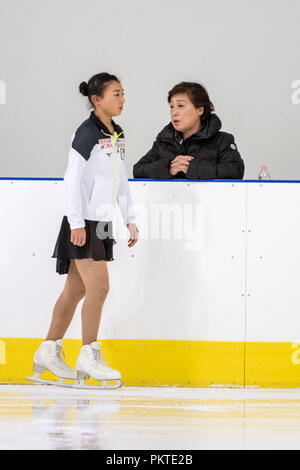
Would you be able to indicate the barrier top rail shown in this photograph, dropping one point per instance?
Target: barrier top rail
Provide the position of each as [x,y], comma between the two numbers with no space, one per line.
[160,180]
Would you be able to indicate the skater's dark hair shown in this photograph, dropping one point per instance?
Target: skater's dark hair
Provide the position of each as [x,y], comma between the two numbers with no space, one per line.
[196,93]
[96,85]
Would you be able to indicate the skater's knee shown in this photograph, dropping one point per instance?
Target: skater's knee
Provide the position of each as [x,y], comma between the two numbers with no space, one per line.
[99,290]
[103,289]
[75,292]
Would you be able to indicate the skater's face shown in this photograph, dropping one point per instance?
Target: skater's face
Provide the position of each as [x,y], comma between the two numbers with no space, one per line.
[112,101]
[184,115]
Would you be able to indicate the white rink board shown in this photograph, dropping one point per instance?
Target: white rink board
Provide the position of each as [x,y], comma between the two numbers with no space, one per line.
[164,289]
[182,289]
[273,276]
[31,216]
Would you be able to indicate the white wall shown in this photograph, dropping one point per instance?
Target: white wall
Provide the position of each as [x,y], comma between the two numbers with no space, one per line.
[244,52]
[232,276]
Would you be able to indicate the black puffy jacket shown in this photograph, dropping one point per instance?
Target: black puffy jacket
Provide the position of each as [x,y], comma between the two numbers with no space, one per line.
[215,154]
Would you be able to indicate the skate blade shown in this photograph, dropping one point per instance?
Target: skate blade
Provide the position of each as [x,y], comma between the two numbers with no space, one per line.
[78,383]
[81,385]
[59,383]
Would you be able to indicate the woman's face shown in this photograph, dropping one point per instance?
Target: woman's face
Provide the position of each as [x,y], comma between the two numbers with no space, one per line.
[112,101]
[184,115]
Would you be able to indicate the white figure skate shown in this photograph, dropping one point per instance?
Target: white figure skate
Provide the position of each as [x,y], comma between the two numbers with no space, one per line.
[48,358]
[90,364]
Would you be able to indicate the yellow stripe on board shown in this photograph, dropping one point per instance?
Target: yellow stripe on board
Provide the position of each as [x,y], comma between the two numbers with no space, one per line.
[275,365]
[2,352]
[172,362]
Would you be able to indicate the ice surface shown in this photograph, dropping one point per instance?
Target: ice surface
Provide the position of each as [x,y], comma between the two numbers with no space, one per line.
[49,417]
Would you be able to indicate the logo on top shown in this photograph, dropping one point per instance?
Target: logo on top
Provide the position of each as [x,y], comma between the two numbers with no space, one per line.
[105,144]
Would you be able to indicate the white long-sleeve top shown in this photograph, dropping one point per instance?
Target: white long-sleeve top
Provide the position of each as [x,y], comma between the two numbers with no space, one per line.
[95,178]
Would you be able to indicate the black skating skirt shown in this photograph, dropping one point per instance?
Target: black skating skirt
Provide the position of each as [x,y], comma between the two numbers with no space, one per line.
[99,244]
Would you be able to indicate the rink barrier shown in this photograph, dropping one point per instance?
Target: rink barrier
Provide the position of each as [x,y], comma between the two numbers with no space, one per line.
[260,312]
[171,363]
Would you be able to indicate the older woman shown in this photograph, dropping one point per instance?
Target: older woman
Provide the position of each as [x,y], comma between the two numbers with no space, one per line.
[191,146]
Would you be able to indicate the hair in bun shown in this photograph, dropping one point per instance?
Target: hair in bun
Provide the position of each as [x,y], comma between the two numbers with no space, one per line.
[96,85]
[83,88]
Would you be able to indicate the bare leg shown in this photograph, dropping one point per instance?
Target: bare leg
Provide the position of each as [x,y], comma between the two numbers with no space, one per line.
[66,304]
[95,277]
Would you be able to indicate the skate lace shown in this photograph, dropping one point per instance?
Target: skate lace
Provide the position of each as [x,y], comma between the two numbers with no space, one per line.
[97,361]
[59,360]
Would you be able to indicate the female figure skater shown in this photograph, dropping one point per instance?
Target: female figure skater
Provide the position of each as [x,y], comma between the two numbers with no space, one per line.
[94,181]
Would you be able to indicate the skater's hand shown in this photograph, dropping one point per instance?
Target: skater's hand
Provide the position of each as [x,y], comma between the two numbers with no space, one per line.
[180,163]
[134,233]
[78,236]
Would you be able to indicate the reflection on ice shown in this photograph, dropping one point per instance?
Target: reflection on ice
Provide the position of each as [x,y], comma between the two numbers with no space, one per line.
[43,417]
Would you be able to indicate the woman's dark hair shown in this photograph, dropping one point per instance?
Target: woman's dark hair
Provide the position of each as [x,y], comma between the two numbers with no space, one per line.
[96,85]
[196,93]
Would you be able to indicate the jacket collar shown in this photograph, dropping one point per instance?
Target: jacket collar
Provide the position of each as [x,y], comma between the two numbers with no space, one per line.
[102,127]
[210,127]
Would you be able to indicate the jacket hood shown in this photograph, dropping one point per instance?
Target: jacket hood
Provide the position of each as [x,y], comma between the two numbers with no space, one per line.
[210,127]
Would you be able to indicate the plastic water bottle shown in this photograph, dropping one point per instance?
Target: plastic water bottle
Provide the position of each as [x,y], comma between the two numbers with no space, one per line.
[264,174]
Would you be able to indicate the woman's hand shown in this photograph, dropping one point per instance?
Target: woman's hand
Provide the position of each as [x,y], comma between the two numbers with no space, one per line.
[134,233]
[180,163]
[78,236]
